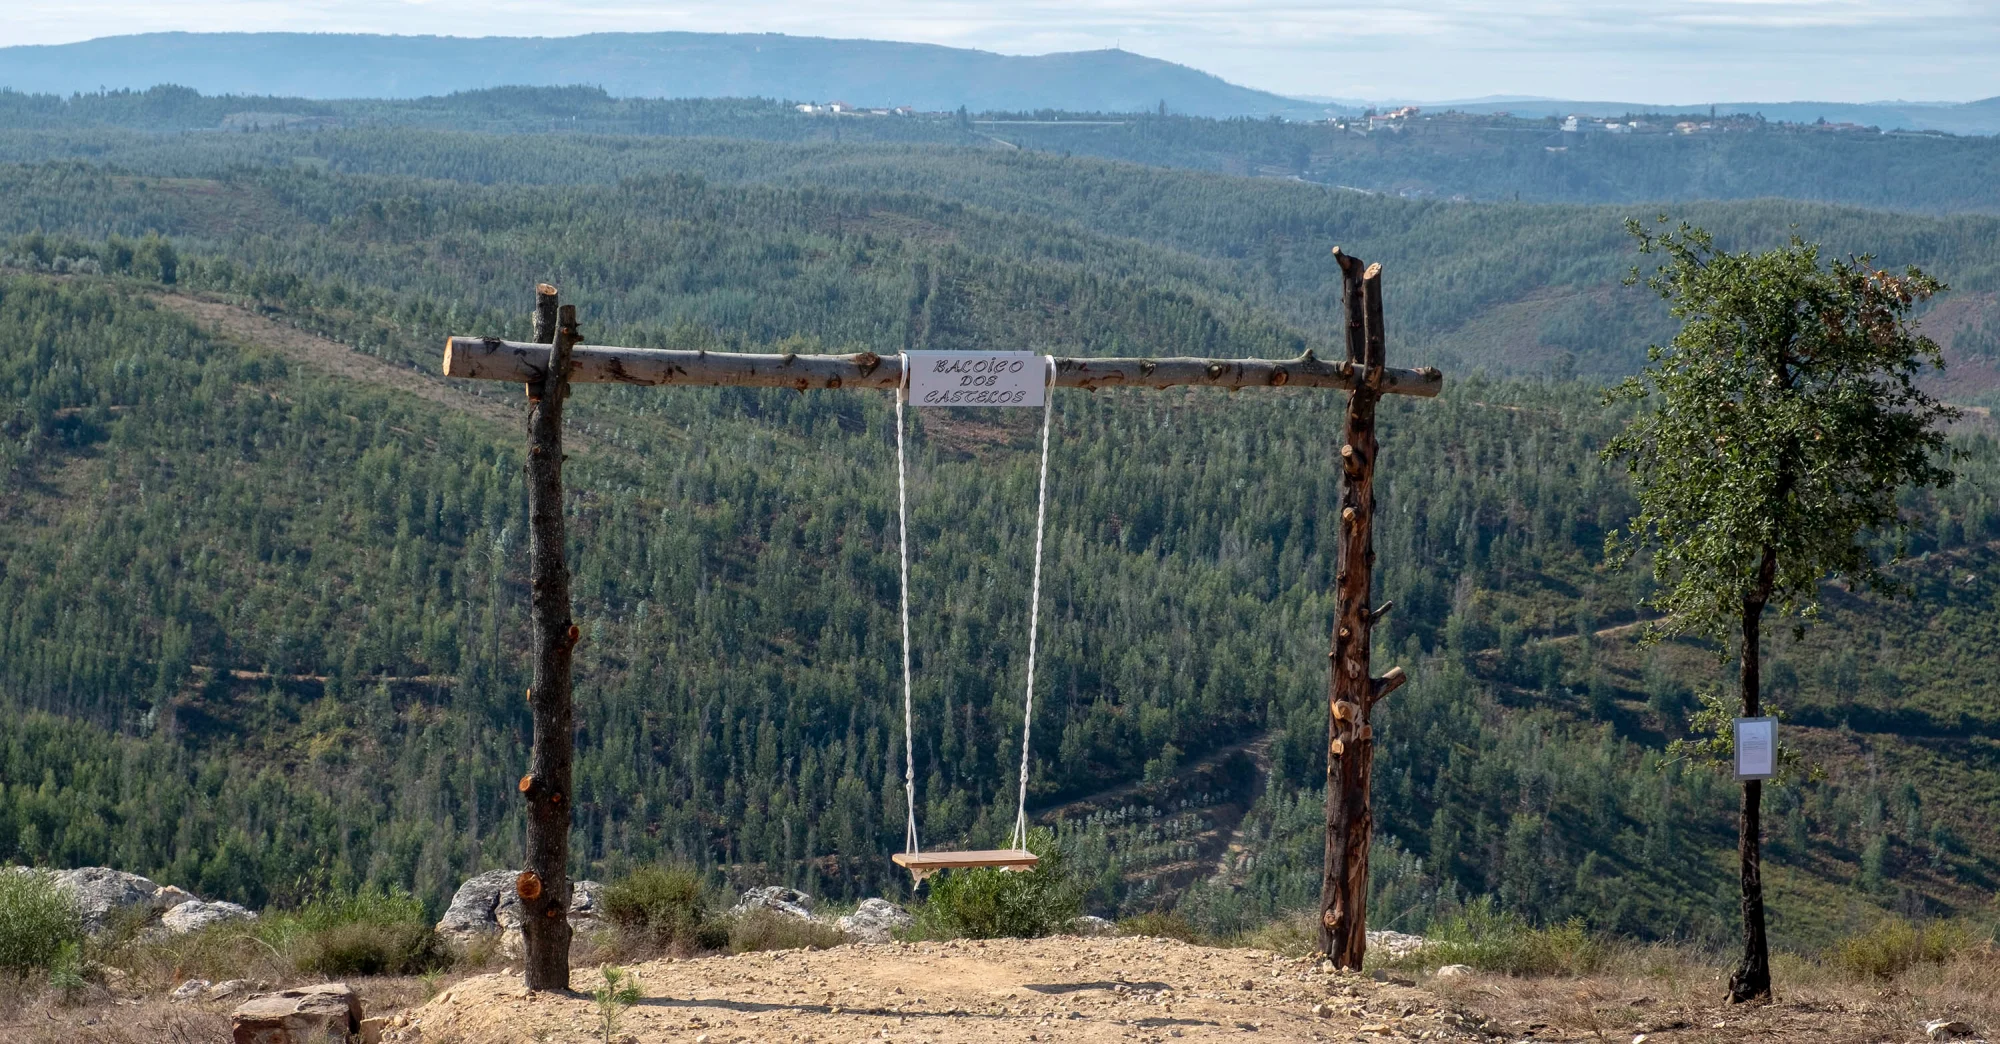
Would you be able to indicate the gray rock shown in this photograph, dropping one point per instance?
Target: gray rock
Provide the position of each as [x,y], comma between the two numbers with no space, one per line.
[231,988]
[102,893]
[194,915]
[1091,924]
[168,897]
[788,901]
[875,920]
[193,989]
[487,905]
[325,1014]
[473,907]
[1395,945]
[586,905]
[1453,971]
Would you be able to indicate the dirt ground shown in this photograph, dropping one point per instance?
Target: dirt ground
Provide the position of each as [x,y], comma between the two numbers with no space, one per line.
[1059,989]
[1078,989]
[1154,990]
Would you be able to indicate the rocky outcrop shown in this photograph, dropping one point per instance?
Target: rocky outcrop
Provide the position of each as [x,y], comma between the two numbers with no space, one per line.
[1091,924]
[788,901]
[875,920]
[487,905]
[104,897]
[196,914]
[329,1013]
[473,907]
[1394,945]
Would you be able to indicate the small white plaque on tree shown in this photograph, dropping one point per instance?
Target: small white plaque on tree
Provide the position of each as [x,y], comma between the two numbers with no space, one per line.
[977,378]
[1756,748]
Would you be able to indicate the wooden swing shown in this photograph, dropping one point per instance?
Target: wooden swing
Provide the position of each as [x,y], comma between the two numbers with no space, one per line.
[1016,859]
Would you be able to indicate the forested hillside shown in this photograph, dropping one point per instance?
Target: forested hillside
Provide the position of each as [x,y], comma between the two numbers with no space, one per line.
[1430,156]
[262,611]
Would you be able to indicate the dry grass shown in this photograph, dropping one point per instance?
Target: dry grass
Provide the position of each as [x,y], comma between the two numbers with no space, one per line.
[1680,994]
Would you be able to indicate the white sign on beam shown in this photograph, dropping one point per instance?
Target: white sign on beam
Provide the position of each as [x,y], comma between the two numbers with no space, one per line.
[1756,748]
[977,378]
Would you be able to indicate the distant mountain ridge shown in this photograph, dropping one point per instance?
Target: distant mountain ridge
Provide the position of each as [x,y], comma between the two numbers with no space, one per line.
[646,65]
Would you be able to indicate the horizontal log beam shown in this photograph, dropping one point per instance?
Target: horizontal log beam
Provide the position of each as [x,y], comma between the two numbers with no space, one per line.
[524,362]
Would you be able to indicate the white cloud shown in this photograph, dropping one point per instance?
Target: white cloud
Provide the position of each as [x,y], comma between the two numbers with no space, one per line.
[1667,50]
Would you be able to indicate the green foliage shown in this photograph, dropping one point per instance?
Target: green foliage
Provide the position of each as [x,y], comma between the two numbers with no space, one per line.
[761,929]
[66,971]
[1490,939]
[368,933]
[1785,420]
[1896,945]
[1712,741]
[989,903]
[665,907]
[40,929]
[619,992]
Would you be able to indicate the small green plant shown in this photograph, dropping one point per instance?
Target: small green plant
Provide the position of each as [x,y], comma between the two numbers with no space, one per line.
[66,972]
[619,992]
[664,907]
[770,930]
[990,903]
[1894,946]
[39,922]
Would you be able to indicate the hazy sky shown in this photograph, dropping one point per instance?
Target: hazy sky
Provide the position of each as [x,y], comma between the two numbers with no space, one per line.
[1654,51]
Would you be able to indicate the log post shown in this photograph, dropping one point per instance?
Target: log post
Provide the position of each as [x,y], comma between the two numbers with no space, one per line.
[544,885]
[1352,689]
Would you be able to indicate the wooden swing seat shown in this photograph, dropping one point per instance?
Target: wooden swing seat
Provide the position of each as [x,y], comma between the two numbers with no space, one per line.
[924,864]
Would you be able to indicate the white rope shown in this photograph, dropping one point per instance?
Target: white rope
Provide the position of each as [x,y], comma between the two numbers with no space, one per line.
[903,551]
[1035,607]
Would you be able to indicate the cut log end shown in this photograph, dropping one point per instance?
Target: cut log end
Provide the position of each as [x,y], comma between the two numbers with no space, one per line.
[528,886]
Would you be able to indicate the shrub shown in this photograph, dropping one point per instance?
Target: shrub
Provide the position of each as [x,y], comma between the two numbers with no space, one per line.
[1495,941]
[369,933]
[1894,946]
[1163,926]
[665,907]
[759,929]
[990,903]
[1294,935]
[39,922]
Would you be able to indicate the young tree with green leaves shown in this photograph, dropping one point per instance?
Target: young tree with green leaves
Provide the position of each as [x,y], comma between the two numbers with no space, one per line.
[1781,423]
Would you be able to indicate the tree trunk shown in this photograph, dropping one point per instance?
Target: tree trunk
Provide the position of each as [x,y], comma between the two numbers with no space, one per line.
[1352,690]
[1751,981]
[544,885]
